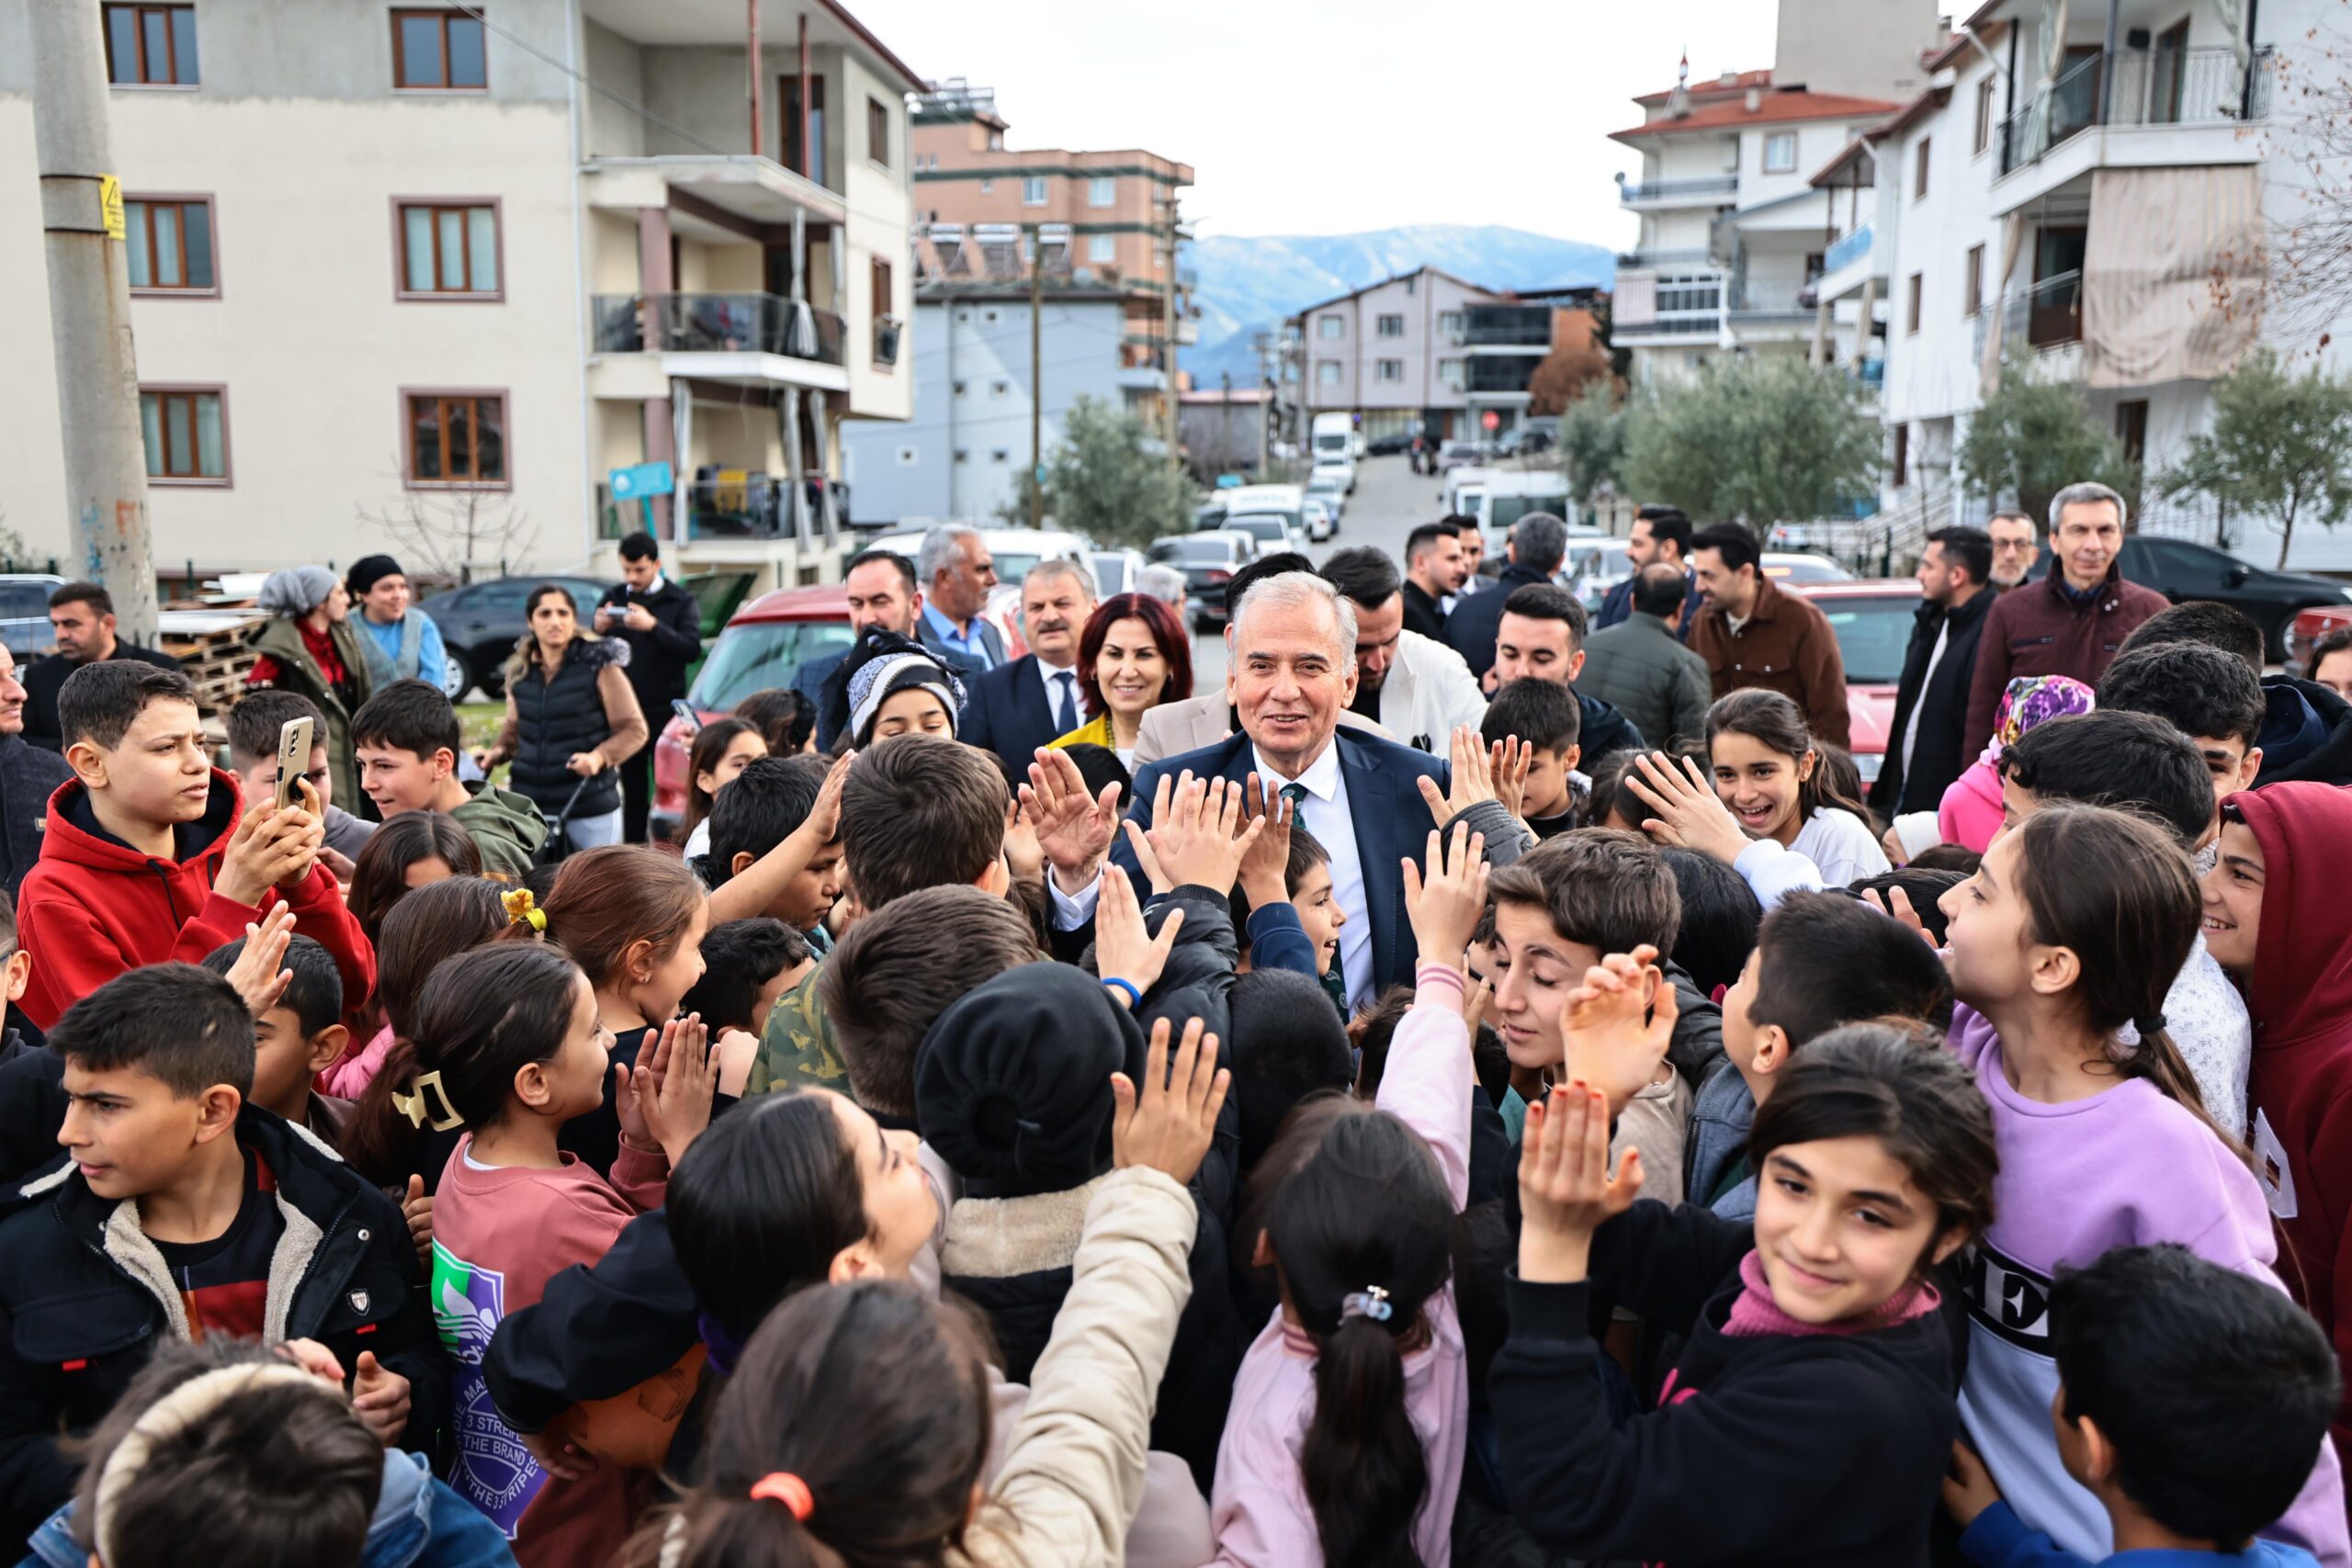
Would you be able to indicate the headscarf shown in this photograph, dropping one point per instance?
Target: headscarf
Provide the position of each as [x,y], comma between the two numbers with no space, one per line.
[2031,701]
[296,590]
[881,665]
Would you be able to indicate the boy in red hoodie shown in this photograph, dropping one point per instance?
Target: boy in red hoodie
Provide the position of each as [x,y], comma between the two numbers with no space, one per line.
[150,855]
[2274,919]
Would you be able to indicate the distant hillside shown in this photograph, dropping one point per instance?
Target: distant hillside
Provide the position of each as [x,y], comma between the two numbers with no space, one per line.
[1248,284]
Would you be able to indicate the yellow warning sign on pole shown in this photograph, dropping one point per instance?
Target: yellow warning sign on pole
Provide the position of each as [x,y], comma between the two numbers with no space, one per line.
[110,204]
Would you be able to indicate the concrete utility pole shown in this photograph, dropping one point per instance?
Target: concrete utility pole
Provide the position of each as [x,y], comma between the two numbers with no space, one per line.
[89,313]
[1036,376]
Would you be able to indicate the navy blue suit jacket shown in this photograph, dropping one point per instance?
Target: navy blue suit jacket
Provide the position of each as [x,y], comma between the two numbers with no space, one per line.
[1005,712]
[1384,805]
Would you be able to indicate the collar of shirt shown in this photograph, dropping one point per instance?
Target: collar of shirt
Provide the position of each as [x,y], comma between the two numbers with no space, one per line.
[947,628]
[651,589]
[1321,778]
[1050,675]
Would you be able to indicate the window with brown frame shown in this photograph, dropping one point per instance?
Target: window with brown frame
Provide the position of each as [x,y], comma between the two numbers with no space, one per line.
[151,46]
[187,435]
[448,249]
[1920,176]
[456,438]
[170,245]
[1984,90]
[439,51]
[877,131]
[886,331]
[1901,467]
[1974,274]
[1918,286]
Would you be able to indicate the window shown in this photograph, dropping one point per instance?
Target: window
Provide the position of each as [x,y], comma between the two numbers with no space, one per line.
[1102,247]
[1330,327]
[438,50]
[187,435]
[1449,374]
[804,135]
[449,249]
[1920,169]
[1780,153]
[1972,273]
[886,328]
[1391,326]
[1102,190]
[151,46]
[1815,264]
[877,131]
[2131,428]
[1033,190]
[1914,291]
[1450,322]
[1327,372]
[455,439]
[1984,112]
[1389,370]
[170,241]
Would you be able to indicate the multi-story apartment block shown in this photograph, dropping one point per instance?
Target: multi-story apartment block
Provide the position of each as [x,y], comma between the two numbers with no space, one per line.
[418,278]
[1425,350]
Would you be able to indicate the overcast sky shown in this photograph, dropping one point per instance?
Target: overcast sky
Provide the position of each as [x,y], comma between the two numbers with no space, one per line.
[1310,117]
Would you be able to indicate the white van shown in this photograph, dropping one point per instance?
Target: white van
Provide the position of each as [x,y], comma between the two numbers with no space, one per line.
[1501,498]
[1333,435]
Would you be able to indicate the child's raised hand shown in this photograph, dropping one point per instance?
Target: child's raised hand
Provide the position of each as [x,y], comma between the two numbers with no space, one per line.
[824,820]
[1169,1124]
[1689,814]
[1074,828]
[1445,902]
[1471,779]
[379,1397]
[417,1210]
[1202,840]
[256,973]
[1616,1025]
[1566,1188]
[674,1105]
[1265,865]
[1124,949]
[1896,903]
[1968,1485]
[1508,760]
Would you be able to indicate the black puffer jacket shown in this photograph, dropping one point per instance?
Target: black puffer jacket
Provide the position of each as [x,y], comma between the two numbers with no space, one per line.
[559,718]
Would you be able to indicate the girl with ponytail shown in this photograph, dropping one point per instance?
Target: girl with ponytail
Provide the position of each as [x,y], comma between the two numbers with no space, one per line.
[2075,925]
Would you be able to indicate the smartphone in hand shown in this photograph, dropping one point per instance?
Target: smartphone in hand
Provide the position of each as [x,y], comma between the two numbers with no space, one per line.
[293,758]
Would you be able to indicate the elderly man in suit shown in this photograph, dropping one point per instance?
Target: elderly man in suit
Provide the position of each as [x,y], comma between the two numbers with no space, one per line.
[1291,674]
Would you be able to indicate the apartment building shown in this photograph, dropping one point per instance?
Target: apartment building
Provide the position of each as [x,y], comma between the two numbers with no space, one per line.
[2067,200]
[418,278]
[1425,350]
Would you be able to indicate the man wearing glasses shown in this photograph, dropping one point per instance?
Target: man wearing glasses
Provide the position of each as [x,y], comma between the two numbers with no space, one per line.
[2014,541]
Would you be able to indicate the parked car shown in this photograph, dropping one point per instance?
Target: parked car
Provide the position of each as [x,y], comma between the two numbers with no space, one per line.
[1593,567]
[2181,569]
[24,612]
[762,643]
[481,622]
[2310,626]
[1338,466]
[1115,571]
[1873,620]
[1014,549]
[1797,568]
[1208,561]
[1273,531]
[1329,487]
[1388,446]
[1322,517]
[1457,455]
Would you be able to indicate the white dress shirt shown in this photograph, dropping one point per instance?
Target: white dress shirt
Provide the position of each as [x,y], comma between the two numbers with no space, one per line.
[1324,809]
[1051,674]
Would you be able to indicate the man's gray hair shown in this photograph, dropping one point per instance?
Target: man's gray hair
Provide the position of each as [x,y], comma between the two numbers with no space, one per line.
[1164,583]
[1296,590]
[2084,494]
[1058,566]
[1539,542]
[941,549]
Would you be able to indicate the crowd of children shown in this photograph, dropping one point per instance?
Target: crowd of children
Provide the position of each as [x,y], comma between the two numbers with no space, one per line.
[1716,1190]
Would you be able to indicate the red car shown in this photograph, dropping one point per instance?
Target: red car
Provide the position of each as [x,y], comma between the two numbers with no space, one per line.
[2310,626]
[1873,620]
[761,645]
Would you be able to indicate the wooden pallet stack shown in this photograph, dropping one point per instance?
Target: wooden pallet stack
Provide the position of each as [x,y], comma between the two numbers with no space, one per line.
[215,649]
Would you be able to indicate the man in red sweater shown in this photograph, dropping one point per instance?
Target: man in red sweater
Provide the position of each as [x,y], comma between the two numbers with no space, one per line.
[2072,621]
[149,854]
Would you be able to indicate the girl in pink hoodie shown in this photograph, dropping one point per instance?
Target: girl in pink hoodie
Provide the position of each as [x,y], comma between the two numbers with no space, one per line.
[1970,812]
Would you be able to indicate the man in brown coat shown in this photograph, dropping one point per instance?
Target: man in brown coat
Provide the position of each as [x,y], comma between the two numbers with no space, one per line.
[1751,634]
[2072,621]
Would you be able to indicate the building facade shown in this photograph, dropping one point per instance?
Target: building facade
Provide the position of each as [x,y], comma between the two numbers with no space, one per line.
[1397,354]
[416,278]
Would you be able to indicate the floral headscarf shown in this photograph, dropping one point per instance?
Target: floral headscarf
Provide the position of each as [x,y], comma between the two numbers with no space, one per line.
[2031,701]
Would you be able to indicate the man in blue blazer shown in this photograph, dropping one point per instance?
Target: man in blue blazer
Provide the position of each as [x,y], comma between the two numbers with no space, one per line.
[1039,697]
[882,592]
[1292,673]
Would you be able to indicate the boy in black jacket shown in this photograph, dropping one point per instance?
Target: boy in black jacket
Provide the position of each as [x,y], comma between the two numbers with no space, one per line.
[178,1209]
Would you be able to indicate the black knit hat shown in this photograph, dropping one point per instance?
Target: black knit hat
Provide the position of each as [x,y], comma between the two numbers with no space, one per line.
[368,571]
[1013,1084]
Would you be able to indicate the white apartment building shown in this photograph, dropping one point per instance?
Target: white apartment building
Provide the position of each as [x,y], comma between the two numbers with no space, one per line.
[2067,200]
[418,278]
[1425,350]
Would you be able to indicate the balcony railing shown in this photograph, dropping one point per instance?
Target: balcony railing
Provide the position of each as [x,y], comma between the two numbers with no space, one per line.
[1849,248]
[2139,86]
[726,506]
[1498,374]
[2045,317]
[1507,326]
[716,323]
[1637,261]
[1678,190]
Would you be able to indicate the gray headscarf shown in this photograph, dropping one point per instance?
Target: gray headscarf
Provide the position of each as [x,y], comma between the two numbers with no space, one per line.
[296,591]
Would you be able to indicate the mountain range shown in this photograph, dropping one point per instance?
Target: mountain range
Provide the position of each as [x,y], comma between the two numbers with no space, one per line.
[1249,283]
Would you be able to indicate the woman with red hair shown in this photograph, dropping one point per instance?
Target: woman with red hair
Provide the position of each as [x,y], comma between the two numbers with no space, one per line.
[1132,657]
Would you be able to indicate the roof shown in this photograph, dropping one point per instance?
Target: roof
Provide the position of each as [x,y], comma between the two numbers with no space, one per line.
[1855,155]
[1773,107]
[1911,113]
[1396,278]
[1982,24]
[906,76]
[1741,81]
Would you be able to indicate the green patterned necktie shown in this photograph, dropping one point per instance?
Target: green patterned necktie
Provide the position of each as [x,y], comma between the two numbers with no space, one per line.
[1334,985]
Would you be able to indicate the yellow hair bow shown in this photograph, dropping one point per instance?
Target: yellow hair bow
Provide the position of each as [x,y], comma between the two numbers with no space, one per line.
[413,1106]
[522,909]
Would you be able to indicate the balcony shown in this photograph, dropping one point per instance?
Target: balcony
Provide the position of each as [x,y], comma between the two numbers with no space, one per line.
[2046,319]
[1636,261]
[1497,376]
[758,190]
[1702,192]
[2137,88]
[748,339]
[1850,248]
[728,504]
[1507,326]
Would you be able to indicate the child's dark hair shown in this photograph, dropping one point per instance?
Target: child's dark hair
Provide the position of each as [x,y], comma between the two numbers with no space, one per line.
[606,900]
[2213,1388]
[8,925]
[1841,776]
[100,701]
[764,806]
[1287,1042]
[711,743]
[1607,889]
[1948,857]
[219,1451]
[485,1016]
[1893,1081]
[740,957]
[1099,766]
[1545,714]
[2131,762]
[1720,917]
[1306,853]
[1777,723]
[316,994]
[876,1400]
[1613,795]
[1360,1225]
[1924,888]
[2198,690]
[253,723]
[1824,960]
[184,1027]
[379,876]
[762,1203]
[2205,621]
[2119,891]
[919,811]
[410,715]
[898,968]
[787,719]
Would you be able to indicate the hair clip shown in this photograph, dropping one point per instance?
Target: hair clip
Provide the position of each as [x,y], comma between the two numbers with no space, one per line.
[412,1105]
[783,1486]
[522,909]
[1371,1302]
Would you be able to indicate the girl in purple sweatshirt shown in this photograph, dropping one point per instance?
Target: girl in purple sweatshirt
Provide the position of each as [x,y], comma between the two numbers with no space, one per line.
[2075,925]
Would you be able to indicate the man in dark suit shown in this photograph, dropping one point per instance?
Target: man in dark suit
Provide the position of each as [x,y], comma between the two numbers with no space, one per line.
[663,625]
[881,585]
[1034,701]
[1539,542]
[1923,750]
[1293,672]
